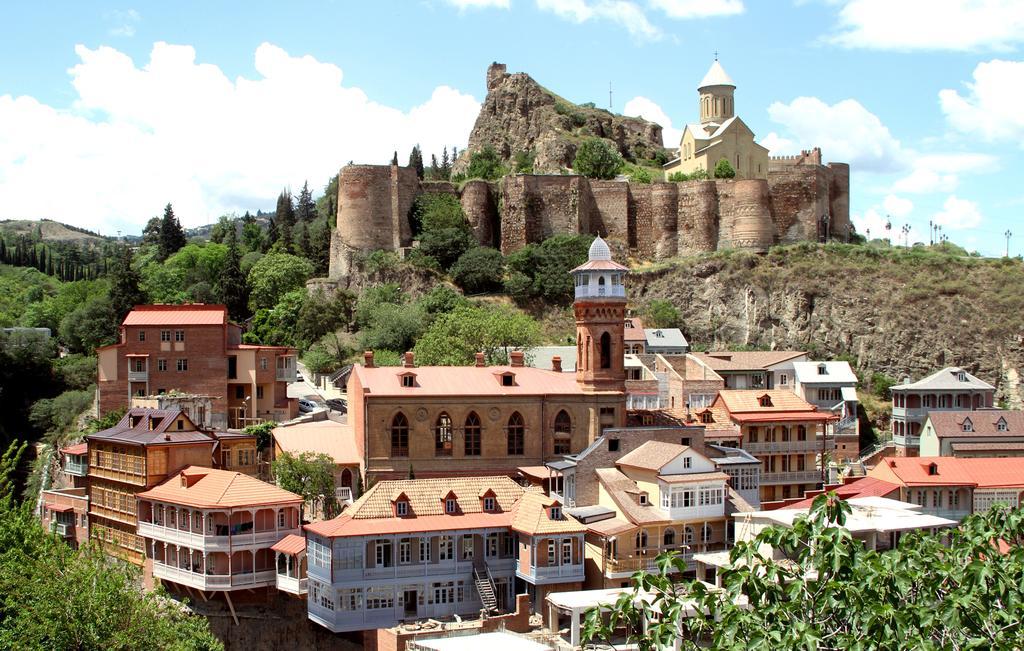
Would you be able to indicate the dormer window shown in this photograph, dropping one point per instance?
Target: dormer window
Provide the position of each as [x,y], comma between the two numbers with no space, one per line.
[643,499]
[688,462]
[822,369]
[408,380]
[933,468]
[1001,425]
[556,513]
[968,425]
[450,505]
[402,508]
[507,379]
[765,400]
[960,375]
[706,417]
[489,504]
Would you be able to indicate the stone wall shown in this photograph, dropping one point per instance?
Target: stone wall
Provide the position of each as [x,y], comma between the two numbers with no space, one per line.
[652,221]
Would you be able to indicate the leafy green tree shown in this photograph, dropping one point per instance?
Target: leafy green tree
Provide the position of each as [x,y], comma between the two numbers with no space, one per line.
[26,375]
[454,338]
[824,589]
[253,237]
[320,246]
[439,300]
[479,270]
[522,163]
[724,169]
[76,371]
[372,298]
[416,161]
[151,232]
[436,210]
[309,475]
[322,314]
[542,271]
[319,360]
[231,286]
[392,327]
[277,326]
[220,230]
[275,275]
[446,245]
[660,313]
[58,416]
[125,292]
[284,219]
[88,326]
[485,164]
[172,235]
[597,159]
[263,433]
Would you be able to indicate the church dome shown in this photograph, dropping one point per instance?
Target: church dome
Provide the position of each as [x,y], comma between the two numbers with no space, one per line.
[716,77]
[599,250]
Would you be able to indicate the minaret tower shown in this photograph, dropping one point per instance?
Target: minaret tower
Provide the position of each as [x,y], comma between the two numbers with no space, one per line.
[600,309]
[716,95]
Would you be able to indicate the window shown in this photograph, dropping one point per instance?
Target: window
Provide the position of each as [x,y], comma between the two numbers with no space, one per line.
[765,400]
[259,392]
[408,380]
[281,519]
[489,504]
[968,425]
[378,598]
[424,550]
[138,365]
[319,554]
[467,548]
[508,380]
[552,552]
[404,551]
[1001,425]
[472,435]
[641,539]
[688,535]
[613,445]
[822,369]
[450,505]
[961,376]
[556,513]
[263,363]
[350,599]
[687,462]
[161,364]
[783,379]
[182,364]
[165,335]
[563,433]
[643,499]
[567,552]
[443,436]
[401,508]
[445,548]
[563,446]
[606,350]
[444,593]
[239,392]
[142,335]
[516,434]
[382,551]
[491,545]
[669,538]
[179,335]
[710,496]
[399,435]
[706,533]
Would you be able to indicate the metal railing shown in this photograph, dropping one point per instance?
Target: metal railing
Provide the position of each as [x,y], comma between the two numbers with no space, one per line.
[548,571]
[208,542]
[205,581]
[799,476]
[78,469]
[810,445]
[138,376]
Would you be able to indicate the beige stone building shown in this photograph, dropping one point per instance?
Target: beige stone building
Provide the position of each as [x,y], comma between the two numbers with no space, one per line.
[719,134]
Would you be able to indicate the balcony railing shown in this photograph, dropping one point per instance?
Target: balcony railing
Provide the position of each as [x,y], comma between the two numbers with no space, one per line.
[343,494]
[496,564]
[560,571]
[811,445]
[204,581]
[906,441]
[632,564]
[566,502]
[138,376]
[203,542]
[76,468]
[797,477]
[62,529]
[285,373]
[292,584]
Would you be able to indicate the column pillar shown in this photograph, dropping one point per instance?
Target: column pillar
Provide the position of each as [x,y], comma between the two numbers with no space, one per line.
[574,635]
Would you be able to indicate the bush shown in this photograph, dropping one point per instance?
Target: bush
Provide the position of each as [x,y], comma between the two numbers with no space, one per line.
[724,170]
[542,271]
[446,245]
[661,314]
[597,159]
[880,385]
[274,276]
[639,175]
[523,162]
[433,211]
[485,164]
[479,270]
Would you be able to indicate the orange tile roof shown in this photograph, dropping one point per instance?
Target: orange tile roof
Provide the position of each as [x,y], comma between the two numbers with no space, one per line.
[336,440]
[636,333]
[212,488]
[530,515]
[464,381]
[172,315]
[610,527]
[994,446]
[538,473]
[290,545]
[426,496]
[863,487]
[620,488]
[984,422]
[980,472]
[652,455]
[76,449]
[748,360]
[747,400]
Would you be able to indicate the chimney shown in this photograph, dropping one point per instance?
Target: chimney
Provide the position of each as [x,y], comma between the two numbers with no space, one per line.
[516,357]
[408,362]
[368,359]
[689,418]
[556,364]
[480,359]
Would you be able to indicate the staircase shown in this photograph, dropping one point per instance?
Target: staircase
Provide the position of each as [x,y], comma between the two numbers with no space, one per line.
[484,585]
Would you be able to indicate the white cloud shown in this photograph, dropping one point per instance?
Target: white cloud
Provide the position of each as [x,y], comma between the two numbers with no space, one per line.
[897,206]
[124,22]
[462,5]
[845,131]
[648,110]
[180,131]
[871,223]
[992,107]
[683,9]
[958,214]
[625,13]
[939,172]
[930,24]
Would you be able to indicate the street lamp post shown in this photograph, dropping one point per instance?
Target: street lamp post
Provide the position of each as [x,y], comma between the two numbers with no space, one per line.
[1008,235]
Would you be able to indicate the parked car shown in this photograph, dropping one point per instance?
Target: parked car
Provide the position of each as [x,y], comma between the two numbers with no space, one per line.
[338,404]
[299,378]
[306,406]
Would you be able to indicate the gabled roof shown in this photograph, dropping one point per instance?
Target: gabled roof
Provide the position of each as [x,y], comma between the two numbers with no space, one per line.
[947,379]
[177,315]
[838,372]
[213,488]
[652,455]
[161,433]
[981,472]
[716,76]
[748,360]
[739,401]
[290,545]
[984,423]
[76,449]
[665,337]
[634,330]
[863,487]
[531,515]
[621,488]
[426,495]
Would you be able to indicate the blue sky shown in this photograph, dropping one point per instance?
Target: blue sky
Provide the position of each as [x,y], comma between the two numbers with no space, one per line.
[108,111]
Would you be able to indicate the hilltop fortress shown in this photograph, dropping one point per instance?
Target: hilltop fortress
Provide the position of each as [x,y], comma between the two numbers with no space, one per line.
[788,199]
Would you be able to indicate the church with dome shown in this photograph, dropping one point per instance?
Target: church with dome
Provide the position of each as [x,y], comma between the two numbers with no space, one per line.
[719,134]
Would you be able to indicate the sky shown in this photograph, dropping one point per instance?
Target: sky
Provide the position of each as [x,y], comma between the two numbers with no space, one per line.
[110,110]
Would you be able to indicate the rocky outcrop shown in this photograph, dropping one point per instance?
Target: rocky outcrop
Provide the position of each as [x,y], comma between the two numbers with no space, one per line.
[520,115]
[898,313]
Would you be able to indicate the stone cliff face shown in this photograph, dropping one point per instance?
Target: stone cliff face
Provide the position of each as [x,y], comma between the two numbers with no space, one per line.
[520,115]
[903,314]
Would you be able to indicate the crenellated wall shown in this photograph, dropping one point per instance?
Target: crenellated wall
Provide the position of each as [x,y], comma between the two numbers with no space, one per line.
[654,221]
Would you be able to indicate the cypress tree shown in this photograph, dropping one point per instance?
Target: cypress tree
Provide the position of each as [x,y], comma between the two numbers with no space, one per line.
[172,236]
[305,208]
[394,158]
[284,218]
[446,165]
[320,246]
[233,290]
[416,161]
[302,240]
[124,286]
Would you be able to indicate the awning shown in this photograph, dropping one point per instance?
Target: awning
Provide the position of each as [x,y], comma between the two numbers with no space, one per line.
[136,355]
[849,394]
[59,508]
[76,449]
[290,545]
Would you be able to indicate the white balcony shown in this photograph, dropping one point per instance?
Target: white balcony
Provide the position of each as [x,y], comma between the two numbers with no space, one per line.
[797,477]
[203,581]
[292,584]
[76,468]
[62,529]
[572,572]
[902,440]
[210,543]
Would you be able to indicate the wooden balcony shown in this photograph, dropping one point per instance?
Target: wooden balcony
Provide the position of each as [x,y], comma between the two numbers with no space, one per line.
[209,543]
[292,585]
[795,477]
[811,445]
[202,581]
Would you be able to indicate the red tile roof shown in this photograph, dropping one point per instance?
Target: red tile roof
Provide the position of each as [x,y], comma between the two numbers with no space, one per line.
[290,545]
[177,315]
[59,508]
[984,422]
[463,381]
[324,436]
[863,487]
[212,488]
[76,449]
[980,472]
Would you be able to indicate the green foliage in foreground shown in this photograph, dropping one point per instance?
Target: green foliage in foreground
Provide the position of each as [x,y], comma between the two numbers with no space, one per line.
[724,169]
[954,590]
[54,597]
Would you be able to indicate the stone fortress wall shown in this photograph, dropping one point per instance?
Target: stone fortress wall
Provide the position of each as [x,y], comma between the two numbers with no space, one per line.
[654,221]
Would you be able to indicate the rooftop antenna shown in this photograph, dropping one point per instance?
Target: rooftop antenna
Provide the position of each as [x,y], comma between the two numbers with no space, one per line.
[716,55]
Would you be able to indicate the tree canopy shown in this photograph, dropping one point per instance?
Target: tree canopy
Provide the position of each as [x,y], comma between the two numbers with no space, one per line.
[724,169]
[955,589]
[454,338]
[172,235]
[309,475]
[597,159]
[273,276]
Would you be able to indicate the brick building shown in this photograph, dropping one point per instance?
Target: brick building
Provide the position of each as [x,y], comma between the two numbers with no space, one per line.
[194,349]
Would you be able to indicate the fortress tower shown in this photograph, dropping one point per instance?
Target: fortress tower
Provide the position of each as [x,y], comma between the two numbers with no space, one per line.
[716,95]
[600,309]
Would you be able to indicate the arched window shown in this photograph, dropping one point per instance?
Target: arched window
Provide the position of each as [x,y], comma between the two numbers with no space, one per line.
[785,433]
[641,539]
[688,535]
[705,533]
[606,350]
[563,433]
[472,435]
[669,538]
[801,433]
[399,435]
[443,435]
[516,434]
